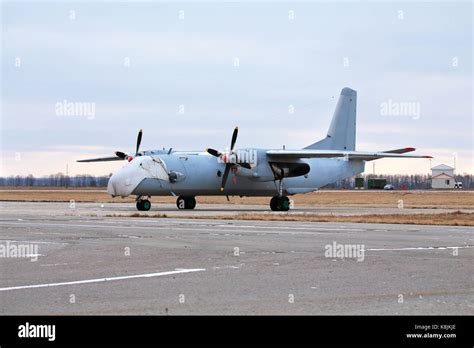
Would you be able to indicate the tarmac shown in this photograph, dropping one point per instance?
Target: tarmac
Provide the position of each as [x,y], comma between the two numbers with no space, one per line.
[81,259]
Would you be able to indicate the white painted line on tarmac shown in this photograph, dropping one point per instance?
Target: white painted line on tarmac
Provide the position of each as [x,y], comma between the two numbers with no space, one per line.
[100,280]
[423,248]
[30,241]
[170,228]
[172,221]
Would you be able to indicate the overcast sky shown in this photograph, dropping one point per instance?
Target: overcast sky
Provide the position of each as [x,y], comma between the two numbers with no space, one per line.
[188,73]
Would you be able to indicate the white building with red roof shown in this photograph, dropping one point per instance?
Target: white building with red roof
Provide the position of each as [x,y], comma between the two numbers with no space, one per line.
[442,177]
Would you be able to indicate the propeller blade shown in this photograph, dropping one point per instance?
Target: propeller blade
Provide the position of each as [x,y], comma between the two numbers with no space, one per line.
[226,174]
[234,138]
[213,152]
[139,140]
[121,154]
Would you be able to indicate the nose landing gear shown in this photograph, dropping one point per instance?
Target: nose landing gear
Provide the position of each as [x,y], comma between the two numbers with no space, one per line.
[143,204]
[186,202]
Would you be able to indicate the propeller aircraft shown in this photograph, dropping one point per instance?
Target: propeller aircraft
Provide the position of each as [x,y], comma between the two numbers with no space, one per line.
[277,173]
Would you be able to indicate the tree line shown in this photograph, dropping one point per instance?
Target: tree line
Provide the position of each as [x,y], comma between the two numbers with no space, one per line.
[56,180]
[418,181]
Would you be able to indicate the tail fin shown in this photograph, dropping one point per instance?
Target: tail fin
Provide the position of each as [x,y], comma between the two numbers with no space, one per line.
[342,131]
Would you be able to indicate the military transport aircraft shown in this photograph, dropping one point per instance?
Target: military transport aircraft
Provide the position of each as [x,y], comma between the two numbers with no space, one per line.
[254,171]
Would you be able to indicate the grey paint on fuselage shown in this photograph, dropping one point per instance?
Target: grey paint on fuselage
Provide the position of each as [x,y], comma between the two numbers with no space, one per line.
[201,176]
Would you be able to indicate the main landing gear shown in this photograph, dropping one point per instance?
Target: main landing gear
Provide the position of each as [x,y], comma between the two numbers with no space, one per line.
[280,202]
[186,202]
[143,204]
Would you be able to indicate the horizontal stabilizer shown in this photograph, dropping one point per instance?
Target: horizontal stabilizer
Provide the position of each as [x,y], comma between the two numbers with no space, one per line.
[352,155]
[404,150]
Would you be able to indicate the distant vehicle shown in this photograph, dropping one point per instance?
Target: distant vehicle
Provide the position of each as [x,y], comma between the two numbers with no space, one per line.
[388,187]
[376,183]
[458,185]
[359,183]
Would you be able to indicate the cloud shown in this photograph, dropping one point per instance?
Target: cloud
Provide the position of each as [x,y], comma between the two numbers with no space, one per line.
[190,63]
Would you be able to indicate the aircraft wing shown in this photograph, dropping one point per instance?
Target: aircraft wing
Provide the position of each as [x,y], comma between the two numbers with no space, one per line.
[354,155]
[102,159]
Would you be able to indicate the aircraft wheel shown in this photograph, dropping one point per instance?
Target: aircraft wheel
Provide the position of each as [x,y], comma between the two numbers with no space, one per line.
[284,203]
[190,202]
[186,202]
[278,203]
[274,203]
[143,205]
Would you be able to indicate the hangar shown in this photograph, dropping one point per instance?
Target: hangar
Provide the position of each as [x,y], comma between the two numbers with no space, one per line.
[442,177]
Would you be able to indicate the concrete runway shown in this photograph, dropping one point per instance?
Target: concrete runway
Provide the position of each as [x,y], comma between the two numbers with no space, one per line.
[88,263]
[214,210]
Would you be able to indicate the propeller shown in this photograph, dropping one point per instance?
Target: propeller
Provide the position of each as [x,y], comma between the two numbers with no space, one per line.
[123,155]
[139,141]
[214,152]
[234,138]
[119,155]
[225,157]
[226,174]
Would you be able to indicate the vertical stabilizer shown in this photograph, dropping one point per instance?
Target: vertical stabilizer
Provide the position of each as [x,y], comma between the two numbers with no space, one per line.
[342,131]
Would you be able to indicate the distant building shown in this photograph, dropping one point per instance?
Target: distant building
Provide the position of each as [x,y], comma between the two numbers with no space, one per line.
[442,177]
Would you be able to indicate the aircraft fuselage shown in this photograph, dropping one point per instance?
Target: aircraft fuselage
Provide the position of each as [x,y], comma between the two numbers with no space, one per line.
[200,174]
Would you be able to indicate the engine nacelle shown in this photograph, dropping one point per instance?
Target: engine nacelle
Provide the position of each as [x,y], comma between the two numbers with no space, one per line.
[289,169]
[241,171]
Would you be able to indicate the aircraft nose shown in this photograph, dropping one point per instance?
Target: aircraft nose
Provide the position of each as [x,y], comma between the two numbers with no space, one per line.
[126,179]
[111,185]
